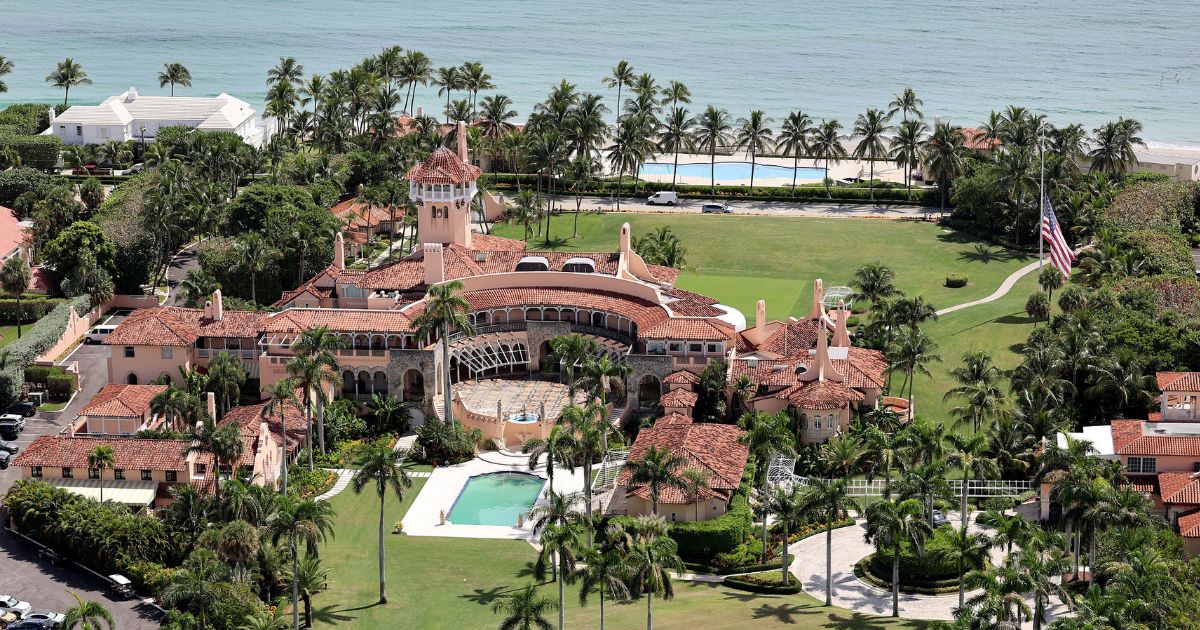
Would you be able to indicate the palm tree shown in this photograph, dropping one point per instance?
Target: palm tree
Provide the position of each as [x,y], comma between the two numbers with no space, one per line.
[559,542]
[905,103]
[695,486]
[650,562]
[572,351]
[675,93]
[622,76]
[1122,381]
[495,116]
[525,209]
[969,454]
[826,144]
[711,132]
[6,67]
[874,281]
[319,371]
[1008,530]
[604,573]
[282,393]
[885,448]
[86,615]
[889,525]
[194,587]
[224,443]
[524,609]
[828,499]
[474,79]
[793,140]
[979,389]
[591,439]
[945,154]
[754,135]
[67,75]
[256,256]
[675,135]
[174,74]
[382,465]
[1113,147]
[447,80]
[966,549]
[631,145]
[308,521]
[225,379]
[912,352]
[582,171]
[14,280]
[100,458]
[906,147]
[271,619]
[558,446]
[286,70]
[870,128]
[308,578]
[444,310]
[1043,568]
[657,469]
[766,436]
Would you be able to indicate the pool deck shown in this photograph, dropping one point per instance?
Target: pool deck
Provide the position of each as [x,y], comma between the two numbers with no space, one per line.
[884,170]
[446,482]
[515,396]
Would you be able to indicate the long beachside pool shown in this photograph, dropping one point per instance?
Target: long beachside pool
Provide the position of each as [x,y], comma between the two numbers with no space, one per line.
[726,172]
[496,499]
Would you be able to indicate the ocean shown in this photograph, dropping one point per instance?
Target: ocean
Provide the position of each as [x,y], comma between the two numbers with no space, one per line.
[1084,61]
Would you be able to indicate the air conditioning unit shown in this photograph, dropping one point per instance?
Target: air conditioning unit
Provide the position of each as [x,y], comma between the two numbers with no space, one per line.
[37,398]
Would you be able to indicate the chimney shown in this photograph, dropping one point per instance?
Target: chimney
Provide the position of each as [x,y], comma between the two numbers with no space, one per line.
[434,271]
[626,247]
[218,306]
[818,307]
[210,405]
[52,114]
[841,335]
[760,315]
[420,112]
[339,252]
[821,369]
[131,95]
[461,134]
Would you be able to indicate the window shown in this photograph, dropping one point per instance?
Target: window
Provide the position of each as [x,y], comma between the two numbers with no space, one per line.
[35,471]
[675,346]
[201,470]
[128,352]
[79,130]
[1144,465]
[67,473]
[714,348]
[118,473]
[147,475]
[695,347]
[93,473]
[166,352]
[172,476]
[816,422]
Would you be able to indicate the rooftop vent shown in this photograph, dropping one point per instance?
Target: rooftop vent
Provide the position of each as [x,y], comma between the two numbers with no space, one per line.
[480,256]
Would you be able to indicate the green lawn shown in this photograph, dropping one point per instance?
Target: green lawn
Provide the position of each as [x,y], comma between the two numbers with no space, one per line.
[8,334]
[452,582]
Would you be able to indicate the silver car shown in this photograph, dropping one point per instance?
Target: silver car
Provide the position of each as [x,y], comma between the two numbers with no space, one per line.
[716,208]
[8,603]
[56,619]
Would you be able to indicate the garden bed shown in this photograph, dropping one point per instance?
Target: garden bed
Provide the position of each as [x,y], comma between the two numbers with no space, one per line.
[767,582]
[864,570]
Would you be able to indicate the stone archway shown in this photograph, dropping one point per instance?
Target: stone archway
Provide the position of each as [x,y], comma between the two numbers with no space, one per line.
[649,390]
[414,385]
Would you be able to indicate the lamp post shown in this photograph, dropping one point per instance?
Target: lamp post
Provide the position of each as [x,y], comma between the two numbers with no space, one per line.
[143,132]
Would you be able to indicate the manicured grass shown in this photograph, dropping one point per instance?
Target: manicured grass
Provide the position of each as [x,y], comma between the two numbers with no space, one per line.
[8,334]
[452,583]
[741,259]
[53,406]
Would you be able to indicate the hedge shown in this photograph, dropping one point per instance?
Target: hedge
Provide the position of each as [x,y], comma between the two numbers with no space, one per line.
[40,337]
[865,570]
[25,119]
[61,386]
[31,310]
[36,151]
[767,582]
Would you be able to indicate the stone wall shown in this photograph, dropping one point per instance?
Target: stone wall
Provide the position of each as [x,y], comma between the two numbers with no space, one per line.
[540,332]
[646,365]
[424,361]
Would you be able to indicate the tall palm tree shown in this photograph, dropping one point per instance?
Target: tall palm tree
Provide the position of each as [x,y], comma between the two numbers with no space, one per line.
[674,94]
[300,520]
[282,393]
[15,277]
[906,147]
[581,172]
[174,74]
[255,257]
[885,447]
[225,379]
[194,587]
[979,388]
[695,486]
[1008,529]
[67,75]
[447,80]
[675,135]
[874,282]
[308,578]
[650,563]
[969,455]
[889,525]
[912,352]
[86,615]
[630,147]
[712,129]
[495,115]
[826,144]
[829,500]
[766,436]
[558,446]
[474,79]
[382,466]
[870,128]
[525,209]
[101,458]
[321,373]
[286,70]
[524,609]
[622,76]
[559,543]
[572,352]
[905,103]
[591,428]
[926,482]
[415,68]
[657,469]
[1044,569]
[444,310]
[602,572]
[793,140]
[945,155]
[754,134]
[1113,146]
[6,67]
[966,549]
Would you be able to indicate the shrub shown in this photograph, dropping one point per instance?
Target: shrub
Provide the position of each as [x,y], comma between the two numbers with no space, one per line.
[25,119]
[852,321]
[919,569]
[61,386]
[40,337]
[18,181]
[305,483]
[956,281]
[865,570]
[36,151]
[769,582]
[40,374]
[30,310]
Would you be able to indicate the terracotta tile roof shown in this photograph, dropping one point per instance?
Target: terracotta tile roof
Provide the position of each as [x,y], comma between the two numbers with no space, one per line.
[665,275]
[295,320]
[357,214]
[681,377]
[122,401]
[820,395]
[792,338]
[712,448]
[1129,439]
[53,451]
[497,243]
[490,254]
[1178,381]
[683,294]
[1146,484]
[673,418]
[646,314]
[12,233]
[863,368]
[973,138]
[694,308]
[443,167]
[244,324]
[175,326]
[405,274]
[678,398]
[689,329]
[250,416]
[1189,524]
[1180,488]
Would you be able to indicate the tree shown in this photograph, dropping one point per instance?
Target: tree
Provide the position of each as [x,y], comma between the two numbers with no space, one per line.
[14,280]
[591,440]
[524,609]
[829,500]
[1037,306]
[630,147]
[225,379]
[6,67]
[308,578]
[91,193]
[826,144]
[695,487]
[197,286]
[969,455]
[912,352]
[174,74]
[870,128]
[86,615]
[675,135]
[382,465]
[650,562]
[67,75]
[979,389]
[662,247]
[282,393]
[306,520]
[622,76]
[286,70]
[101,458]
[195,586]
[754,135]
[889,525]
[444,310]
[572,352]
[905,103]
[945,155]
[525,209]
[874,281]
[711,133]
[766,436]
[255,257]
[602,572]
[906,147]
[558,446]
[1114,146]
[447,80]
[582,171]
[559,542]
[966,549]
[657,469]
[319,371]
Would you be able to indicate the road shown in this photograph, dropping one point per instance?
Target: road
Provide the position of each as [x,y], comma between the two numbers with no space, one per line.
[183,262]
[763,208]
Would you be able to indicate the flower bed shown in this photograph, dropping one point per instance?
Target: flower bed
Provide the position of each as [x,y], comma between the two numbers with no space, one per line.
[768,582]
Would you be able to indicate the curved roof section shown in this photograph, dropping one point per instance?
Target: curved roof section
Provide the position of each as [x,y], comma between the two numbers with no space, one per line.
[643,312]
[443,167]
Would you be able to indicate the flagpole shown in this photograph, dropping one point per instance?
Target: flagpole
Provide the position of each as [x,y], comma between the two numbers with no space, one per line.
[1042,198]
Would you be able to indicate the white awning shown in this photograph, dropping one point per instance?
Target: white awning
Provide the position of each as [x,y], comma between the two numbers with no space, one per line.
[139,493]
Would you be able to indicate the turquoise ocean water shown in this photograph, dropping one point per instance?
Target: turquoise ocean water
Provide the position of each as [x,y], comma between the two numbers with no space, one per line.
[1075,60]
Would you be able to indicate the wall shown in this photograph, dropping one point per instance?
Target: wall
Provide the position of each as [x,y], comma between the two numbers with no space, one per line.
[78,326]
[147,363]
[637,506]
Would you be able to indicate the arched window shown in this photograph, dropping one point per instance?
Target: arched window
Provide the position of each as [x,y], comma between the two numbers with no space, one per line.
[816,422]
[131,379]
[380,382]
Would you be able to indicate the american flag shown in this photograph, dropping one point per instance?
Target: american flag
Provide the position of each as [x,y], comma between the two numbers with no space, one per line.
[1060,253]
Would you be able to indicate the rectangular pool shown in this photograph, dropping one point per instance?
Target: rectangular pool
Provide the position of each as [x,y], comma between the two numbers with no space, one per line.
[496,499]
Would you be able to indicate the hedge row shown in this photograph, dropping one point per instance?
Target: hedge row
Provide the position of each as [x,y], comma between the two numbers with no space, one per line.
[30,310]
[40,337]
[865,570]
[25,119]
[36,151]
[767,582]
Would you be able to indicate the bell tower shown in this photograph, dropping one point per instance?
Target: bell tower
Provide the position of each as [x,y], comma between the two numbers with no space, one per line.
[442,188]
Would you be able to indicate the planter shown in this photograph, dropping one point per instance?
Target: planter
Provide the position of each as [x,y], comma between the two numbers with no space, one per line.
[766,582]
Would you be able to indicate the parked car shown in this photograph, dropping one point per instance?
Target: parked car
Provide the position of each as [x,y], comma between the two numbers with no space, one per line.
[121,586]
[9,447]
[716,208]
[4,459]
[51,556]
[34,624]
[7,618]
[939,519]
[22,408]
[45,615]
[8,603]
[98,333]
[668,197]
[11,426]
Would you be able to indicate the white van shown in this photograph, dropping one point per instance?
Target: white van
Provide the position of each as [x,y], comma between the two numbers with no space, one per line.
[98,333]
[668,197]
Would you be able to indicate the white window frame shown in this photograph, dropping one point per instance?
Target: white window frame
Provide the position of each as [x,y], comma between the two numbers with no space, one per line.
[1142,465]
[167,352]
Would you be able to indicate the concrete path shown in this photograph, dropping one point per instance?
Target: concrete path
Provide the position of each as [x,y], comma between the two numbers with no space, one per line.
[1005,287]
[343,480]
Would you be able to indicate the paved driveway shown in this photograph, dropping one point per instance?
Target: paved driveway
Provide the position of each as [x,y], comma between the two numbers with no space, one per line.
[27,578]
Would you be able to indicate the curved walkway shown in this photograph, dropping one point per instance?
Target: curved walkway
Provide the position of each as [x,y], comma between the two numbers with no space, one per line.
[1005,287]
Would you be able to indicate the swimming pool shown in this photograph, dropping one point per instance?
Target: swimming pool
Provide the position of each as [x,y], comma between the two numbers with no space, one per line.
[496,499]
[734,171]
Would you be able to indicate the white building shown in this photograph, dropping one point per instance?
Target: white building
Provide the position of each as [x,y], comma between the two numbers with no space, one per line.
[1180,167]
[123,117]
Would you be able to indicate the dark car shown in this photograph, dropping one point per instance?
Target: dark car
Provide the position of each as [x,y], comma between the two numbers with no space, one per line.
[34,624]
[4,458]
[9,447]
[23,408]
[939,519]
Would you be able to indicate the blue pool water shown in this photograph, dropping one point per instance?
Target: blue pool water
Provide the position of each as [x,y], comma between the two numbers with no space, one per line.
[734,171]
[496,499]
